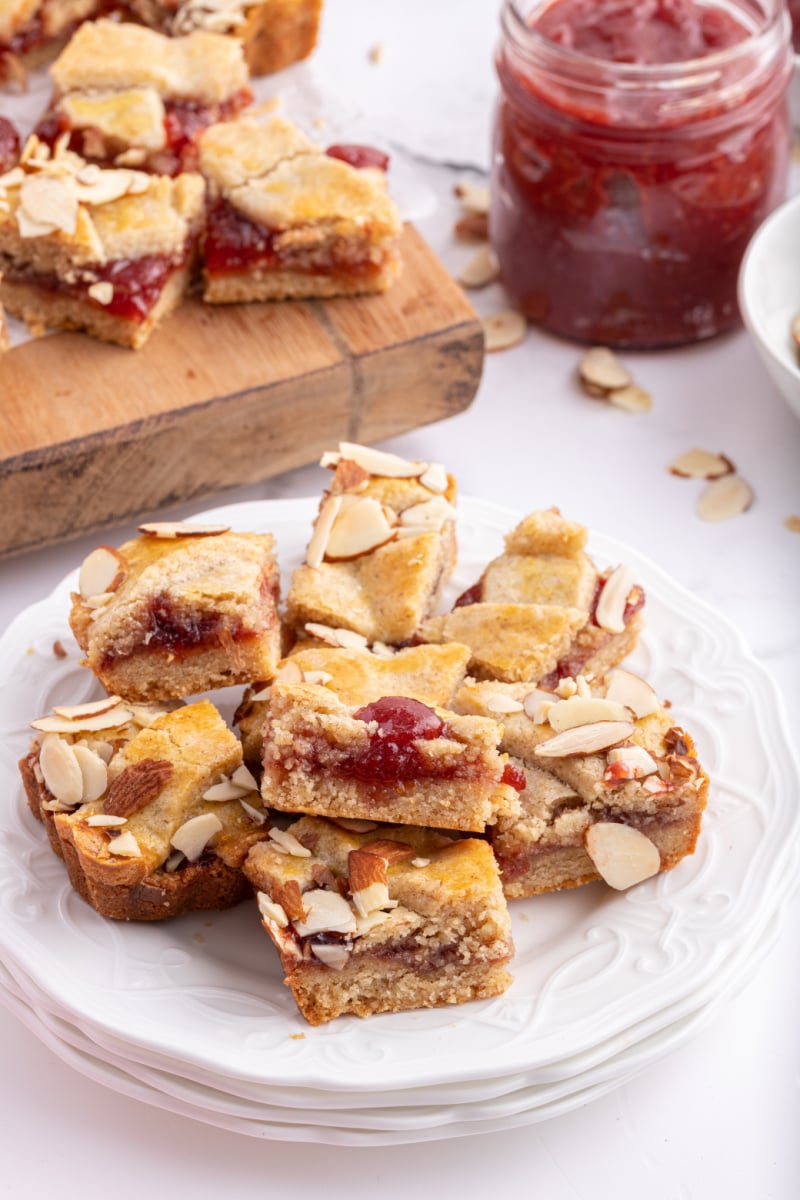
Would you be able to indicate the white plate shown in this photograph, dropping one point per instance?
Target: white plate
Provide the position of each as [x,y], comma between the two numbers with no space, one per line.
[591,967]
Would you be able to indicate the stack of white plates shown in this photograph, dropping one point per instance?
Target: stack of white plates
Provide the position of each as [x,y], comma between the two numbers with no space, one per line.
[191,1015]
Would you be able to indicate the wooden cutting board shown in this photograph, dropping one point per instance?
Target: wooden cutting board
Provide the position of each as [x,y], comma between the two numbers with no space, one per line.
[91,434]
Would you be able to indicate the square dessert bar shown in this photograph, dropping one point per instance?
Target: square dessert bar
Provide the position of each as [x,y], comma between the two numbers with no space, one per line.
[155,825]
[288,220]
[107,251]
[274,33]
[382,548]
[184,608]
[128,96]
[542,611]
[393,759]
[381,921]
[30,29]
[613,788]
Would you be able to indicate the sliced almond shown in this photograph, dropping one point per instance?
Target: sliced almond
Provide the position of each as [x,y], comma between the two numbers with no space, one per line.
[290,672]
[328,513]
[272,911]
[537,705]
[102,291]
[145,714]
[104,821]
[601,372]
[635,761]
[631,398]
[585,739]
[474,197]
[503,330]
[390,850]
[226,790]
[481,270]
[354,824]
[348,639]
[288,843]
[101,572]
[622,855]
[430,515]
[325,633]
[580,710]
[125,846]
[701,464]
[179,529]
[243,777]
[420,862]
[359,530]
[325,912]
[137,786]
[120,715]
[613,599]
[499,702]
[632,691]
[93,708]
[381,462]
[567,687]
[333,956]
[435,478]
[290,898]
[194,835]
[262,694]
[381,650]
[472,227]
[368,882]
[255,814]
[724,498]
[94,772]
[61,770]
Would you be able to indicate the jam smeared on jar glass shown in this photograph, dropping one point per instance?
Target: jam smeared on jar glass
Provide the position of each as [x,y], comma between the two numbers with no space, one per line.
[392,753]
[9,145]
[628,176]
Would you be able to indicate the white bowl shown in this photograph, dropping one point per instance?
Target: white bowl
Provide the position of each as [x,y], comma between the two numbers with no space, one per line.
[769,296]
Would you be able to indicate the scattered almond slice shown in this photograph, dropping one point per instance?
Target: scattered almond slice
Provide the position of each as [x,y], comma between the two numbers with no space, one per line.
[324,632]
[61,770]
[325,912]
[499,702]
[434,478]
[243,777]
[377,462]
[114,717]
[700,464]
[537,704]
[255,814]
[726,497]
[610,611]
[621,854]
[348,639]
[101,572]
[288,843]
[94,772]
[631,398]
[481,270]
[178,529]
[472,227]
[105,821]
[262,694]
[93,708]
[226,790]
[290,672]
[429,514]
[381,650]
[601,372]
[635,762]
[102,291]
[320,678]
[125,846]
[632,691]
[272,911]
[582,710]
[585,739]
[360,529]
[315,553]
[503,330]
[474,197]
[192,837]
[333,956]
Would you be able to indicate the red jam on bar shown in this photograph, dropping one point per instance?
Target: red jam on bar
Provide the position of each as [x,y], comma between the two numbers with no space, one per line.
[9,145]
[794,13]
[638,146]
[392,752]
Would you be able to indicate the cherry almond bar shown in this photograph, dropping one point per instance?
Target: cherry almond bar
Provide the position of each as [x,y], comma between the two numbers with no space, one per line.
[386,920]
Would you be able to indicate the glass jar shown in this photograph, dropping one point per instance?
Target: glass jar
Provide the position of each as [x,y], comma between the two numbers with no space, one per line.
[624,195]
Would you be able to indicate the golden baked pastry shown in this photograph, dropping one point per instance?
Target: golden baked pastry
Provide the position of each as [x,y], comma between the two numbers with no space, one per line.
[385,920]
[181,609]
[30,30]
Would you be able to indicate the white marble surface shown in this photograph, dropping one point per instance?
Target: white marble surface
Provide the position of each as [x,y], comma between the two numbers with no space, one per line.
[718,1117]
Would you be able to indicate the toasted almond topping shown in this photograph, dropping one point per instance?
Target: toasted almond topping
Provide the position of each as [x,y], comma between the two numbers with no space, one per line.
[94,708]
[320,678]
[325,912]
[243,777]
[632,691]
[613,598]
[359,529]
[390,850]
[328,513]
[582,710]
[420,862]
[537,704]
[262,694]
[61,770]
[430,515]
[144,715]
[120,715]
[632,398]
[332,956]
[94,772]
[499,702]
[582,687]
[102,291]
[348,639]
[287,843]
[726,497]
[255,814]
[125,846]
[194,835]
[137,786]
[97,602]
[271,911]
[102,749]
[503,330]
[635,760]
[472,227]
[324,632]
[365,924]
[354,824]
[225,790]
[381,650]
[474,197]
[179,529]
[104,821]
[601,372]
[701,464]
[481,270]
[364,869]
[174,861]
[381,462]
[435,478]
[290,898]
[101,572]
[290,672]
[567,687]
[46,204]
[585,739]
[621,854]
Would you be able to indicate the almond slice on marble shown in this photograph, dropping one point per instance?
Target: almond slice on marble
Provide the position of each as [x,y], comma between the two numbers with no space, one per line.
[333,956]
[192,837]
[613,598]
[435,478]
[325,912]
[701,464]
[381,462]
[631,398]
[726,497]
[537,704]
[179,529]
[93,708]
[101,572]
[622,855]
[315,553]
[582,710]
[499,702]
[60,769]
[429,514]
[503,330]
[481,270]
[359,530]
[114,717]
[94,772]
[634,692]
[125,846]
[601,372]
[585,739]
[474,197]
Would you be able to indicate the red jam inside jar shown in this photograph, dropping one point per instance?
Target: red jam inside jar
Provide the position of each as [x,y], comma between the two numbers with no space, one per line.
[638,146]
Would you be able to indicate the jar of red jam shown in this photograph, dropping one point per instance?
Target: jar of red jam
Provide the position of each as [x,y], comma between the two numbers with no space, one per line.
[638,146]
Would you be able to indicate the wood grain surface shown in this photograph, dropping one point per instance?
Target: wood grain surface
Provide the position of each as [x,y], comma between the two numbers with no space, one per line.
[92,434]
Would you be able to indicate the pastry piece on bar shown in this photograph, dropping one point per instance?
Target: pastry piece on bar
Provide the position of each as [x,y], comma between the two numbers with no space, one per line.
[127,96]
[106,251]
[431,674]
[386,920]
[163,826]
[394,759]
[613,790]
[274,33]
[542,611]
[382,548]
[183,608]
[286,220]
[31,30]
